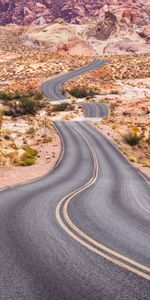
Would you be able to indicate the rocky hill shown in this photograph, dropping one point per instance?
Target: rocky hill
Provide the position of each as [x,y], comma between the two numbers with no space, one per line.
[26,12]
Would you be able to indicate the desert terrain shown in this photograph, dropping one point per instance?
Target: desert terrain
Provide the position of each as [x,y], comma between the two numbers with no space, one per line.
[124,84]
[74,149]
[32,54]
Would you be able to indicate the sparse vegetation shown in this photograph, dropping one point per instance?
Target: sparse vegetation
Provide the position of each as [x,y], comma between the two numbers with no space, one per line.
[29,67]
[81,93]
[133,159]
[7,137]
[29,158]
[28,106]
[20,104]
[112,114]
[30,152]
[27,162]
[114,92]
[31,130]
[1,118]
[60,107]
[132,138]
[47,139]
[38,96]
[148,140]
[6,96]
[114,127]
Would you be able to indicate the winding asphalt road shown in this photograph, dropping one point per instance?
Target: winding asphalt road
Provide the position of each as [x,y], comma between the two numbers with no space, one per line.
[95,109]
[81,232]
[52,87]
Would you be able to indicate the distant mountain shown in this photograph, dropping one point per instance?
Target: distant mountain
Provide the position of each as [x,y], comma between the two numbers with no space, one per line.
[26,12]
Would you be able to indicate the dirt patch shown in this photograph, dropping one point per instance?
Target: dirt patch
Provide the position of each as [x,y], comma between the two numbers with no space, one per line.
[113,137]
[48,155]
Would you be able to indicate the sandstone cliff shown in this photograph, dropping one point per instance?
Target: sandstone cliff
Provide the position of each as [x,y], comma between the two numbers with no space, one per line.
[26,12]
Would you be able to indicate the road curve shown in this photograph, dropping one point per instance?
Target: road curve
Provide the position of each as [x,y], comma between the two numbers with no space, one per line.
[95,109]
[81,232]
[52,87]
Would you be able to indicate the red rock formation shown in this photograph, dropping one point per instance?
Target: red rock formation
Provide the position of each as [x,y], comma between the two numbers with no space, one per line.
[144,32]
[45,11]
[105,27]
[127,46]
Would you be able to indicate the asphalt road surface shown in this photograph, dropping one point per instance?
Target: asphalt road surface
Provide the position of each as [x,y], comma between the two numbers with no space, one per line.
[52,87]
[95,109]
[81,232]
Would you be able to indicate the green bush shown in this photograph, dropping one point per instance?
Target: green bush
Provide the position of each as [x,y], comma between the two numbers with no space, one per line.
[29,106]
[38,96]
[29,158]
[1,118]
[27,162]
[30,152]
[47,139]
[80,93]
[133,159]
[148,140]
[60,107]
[7,137]
[114,92]
[21,104]
[6,96]
[132,139]
[31,130]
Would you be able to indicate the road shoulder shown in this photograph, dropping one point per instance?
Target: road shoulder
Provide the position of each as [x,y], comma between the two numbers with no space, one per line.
[48,156]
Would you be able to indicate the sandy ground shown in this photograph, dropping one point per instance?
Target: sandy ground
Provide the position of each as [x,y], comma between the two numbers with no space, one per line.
[110,134]
[48,156]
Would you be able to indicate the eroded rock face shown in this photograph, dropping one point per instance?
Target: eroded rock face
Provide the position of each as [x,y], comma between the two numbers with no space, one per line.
[57,37]
[26,12]
[144,32]
[105,27]
[127,46]
[121,17]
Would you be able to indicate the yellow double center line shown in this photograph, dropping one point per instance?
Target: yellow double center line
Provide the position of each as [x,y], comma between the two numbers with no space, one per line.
[87,241]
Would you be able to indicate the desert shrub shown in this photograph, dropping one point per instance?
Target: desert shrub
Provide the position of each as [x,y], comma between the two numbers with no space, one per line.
[6,96]
[29,158]
[80,93]
[17,95]
[31,130]
[7,137]
[21,104]
[148,140]
[114,126]
[133,159]
[29,106]
[30,152]
[47,139]
[38,96]
[63,92]
[9,96]
[132,138]
[1,118]
[112,114]
[114,92]
[27,162]
[60,107]
[126,114]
